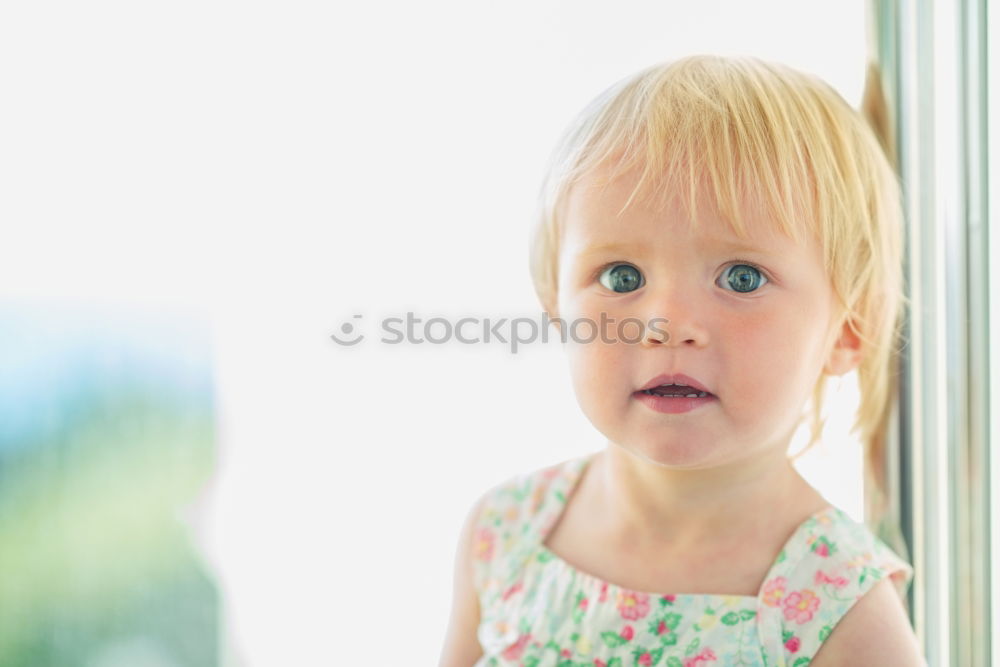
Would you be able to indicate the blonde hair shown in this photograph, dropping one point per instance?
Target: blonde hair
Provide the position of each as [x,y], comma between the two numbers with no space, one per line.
[745,131]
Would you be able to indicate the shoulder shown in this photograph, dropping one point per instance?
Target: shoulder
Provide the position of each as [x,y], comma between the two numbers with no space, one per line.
[461,644]
[874,631]
[833,577]
[484,535]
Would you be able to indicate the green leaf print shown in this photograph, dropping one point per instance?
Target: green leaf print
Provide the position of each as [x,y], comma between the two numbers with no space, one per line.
[654,656]
[825,632]
[800,662]
[693,646]
[781,557]
[531,661]
[615,662]
[543,557]
[785,636]
[869,571]
[669,640]
[732,618]
[612,639]
[747,614]
[560,496]
[674,661]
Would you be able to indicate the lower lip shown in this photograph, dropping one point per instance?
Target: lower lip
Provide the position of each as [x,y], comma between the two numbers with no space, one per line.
[673,404]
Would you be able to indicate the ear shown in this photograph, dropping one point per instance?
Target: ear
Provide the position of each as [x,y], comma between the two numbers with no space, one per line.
[845,352]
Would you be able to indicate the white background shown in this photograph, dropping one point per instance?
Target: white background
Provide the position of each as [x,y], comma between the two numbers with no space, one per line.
[282,167]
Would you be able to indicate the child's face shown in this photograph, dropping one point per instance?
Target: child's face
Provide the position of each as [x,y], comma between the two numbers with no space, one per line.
[756,340]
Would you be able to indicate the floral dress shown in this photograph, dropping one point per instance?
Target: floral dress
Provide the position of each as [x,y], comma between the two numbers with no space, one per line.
[536,610]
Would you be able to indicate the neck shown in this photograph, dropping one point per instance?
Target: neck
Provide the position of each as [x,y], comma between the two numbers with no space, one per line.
[649,505]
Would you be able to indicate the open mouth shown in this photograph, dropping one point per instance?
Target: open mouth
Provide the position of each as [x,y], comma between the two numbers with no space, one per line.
[674,399]
[675,391]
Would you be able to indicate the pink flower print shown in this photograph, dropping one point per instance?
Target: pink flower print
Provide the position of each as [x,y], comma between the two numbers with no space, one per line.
[514,651]
[627,633]
[669,598]
[583,603]
[565,653]
[632,605]
[604,593]
[485,540]
[801,605]
[792,644]
[774,591]
[823,578]
[700,659]
[662,628]
[513,589]
[646,660]
[599,663]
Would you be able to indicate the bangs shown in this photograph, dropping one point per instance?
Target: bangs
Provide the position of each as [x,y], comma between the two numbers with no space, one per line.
[733,131]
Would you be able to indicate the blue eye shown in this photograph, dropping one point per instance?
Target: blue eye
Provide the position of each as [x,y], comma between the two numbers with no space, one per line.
[621,278]
[744,277]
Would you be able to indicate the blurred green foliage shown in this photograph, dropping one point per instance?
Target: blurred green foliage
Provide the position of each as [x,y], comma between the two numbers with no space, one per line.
[106,437]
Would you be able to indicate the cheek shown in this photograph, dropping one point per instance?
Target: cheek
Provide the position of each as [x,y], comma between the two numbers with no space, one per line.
[775,355]
[599,372]
[601,318]
[591,363]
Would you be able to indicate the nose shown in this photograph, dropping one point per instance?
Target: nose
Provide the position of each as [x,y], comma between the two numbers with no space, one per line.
[663,334]
[675,322]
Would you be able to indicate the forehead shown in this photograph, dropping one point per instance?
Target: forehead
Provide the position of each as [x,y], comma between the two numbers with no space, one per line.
[604,209]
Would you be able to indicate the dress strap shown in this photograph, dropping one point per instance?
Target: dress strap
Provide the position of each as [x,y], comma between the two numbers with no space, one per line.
[831,563]
[515,517]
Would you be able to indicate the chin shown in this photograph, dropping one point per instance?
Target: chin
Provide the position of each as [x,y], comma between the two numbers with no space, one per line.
[672,454]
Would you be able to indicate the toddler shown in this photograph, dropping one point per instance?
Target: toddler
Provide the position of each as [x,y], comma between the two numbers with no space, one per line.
[718,236]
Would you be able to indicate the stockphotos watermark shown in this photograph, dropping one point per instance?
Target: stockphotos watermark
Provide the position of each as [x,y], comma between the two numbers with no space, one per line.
[513,332]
